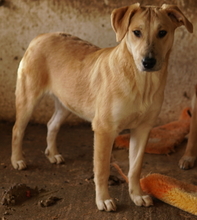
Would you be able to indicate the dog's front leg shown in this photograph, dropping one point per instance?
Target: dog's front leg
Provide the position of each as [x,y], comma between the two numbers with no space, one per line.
[138,142]
[102,153]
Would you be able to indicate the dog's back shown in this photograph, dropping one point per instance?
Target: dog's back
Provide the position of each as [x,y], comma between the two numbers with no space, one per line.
[48,57]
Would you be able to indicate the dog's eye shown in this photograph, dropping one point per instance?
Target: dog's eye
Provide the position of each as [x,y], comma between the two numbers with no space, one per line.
[137,33]
[162,34]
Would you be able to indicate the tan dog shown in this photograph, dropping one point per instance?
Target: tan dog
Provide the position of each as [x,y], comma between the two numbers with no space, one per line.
[189,157]
[114,88]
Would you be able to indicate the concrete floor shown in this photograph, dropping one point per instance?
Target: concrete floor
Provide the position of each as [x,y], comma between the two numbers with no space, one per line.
[72,182]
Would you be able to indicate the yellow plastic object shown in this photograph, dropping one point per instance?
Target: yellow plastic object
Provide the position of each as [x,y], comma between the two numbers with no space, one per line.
[171,191]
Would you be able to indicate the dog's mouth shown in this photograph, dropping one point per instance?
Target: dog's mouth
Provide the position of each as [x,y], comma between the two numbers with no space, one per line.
[154,69]
[150,70]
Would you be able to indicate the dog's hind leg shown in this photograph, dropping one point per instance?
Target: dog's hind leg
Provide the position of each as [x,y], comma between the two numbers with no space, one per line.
[53,127]
[27,96]
[188,159]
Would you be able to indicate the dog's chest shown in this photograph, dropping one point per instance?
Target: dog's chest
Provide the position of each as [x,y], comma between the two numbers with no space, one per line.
[137,109]
[135,118]
[134,114]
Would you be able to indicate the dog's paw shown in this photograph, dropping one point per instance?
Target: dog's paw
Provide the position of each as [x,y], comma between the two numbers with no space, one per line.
[106,205]
[144,200]
[19,164]
[59,159]
[54,158]
[186,162]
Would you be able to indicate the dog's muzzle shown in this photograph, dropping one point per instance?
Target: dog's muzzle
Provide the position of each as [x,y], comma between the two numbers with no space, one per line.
[148,63]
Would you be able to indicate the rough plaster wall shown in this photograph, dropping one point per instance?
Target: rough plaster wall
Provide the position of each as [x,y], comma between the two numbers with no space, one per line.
[22,20]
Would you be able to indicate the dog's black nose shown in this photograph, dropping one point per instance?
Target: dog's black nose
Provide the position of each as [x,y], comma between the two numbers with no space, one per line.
[148,63]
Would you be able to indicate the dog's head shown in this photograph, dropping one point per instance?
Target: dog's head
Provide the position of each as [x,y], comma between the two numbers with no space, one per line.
[148,32]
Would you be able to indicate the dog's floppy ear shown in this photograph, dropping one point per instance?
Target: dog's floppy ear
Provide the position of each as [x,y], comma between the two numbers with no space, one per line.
[177,17]
[120,19]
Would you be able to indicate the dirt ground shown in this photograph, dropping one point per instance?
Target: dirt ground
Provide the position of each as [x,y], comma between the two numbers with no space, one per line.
[47,192]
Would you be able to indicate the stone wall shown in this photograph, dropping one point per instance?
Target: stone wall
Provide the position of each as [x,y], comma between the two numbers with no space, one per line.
[22,20]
